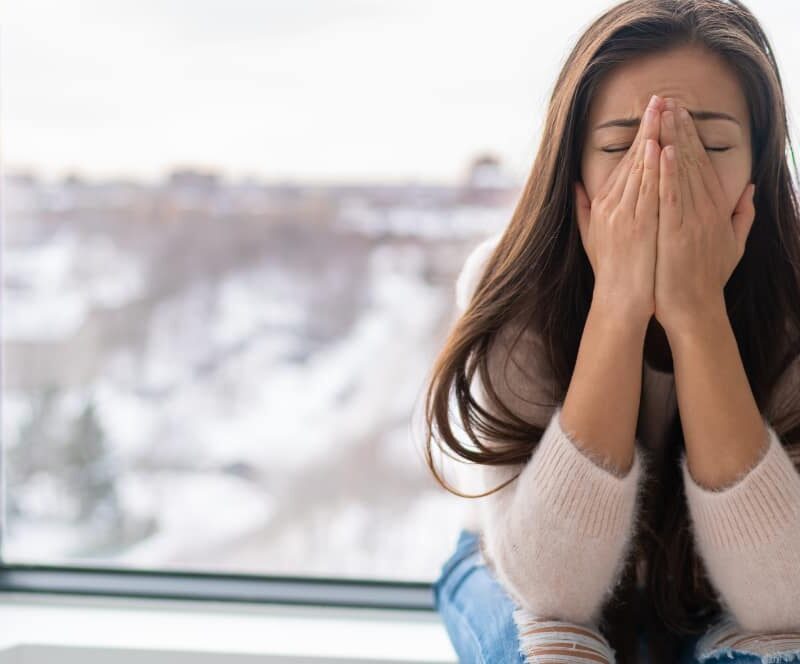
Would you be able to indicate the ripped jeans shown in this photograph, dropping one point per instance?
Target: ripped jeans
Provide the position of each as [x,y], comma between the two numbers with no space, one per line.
[486,627]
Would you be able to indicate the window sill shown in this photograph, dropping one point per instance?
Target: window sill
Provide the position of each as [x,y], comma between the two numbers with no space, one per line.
[45,628]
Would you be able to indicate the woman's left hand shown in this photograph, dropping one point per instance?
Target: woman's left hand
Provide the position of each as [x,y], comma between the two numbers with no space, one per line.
[699,241]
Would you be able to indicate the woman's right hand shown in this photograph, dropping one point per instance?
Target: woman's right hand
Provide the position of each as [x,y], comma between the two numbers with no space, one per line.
[619,227]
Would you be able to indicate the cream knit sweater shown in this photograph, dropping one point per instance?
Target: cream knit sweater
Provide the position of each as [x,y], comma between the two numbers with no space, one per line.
[558,536]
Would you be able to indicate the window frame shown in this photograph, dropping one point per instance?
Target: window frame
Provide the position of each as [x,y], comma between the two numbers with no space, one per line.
[224,587]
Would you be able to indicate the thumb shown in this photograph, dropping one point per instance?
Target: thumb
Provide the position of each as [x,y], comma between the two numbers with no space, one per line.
[743,216]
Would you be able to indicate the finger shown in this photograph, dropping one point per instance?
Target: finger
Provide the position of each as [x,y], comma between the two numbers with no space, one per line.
[647,196]
[633,183]
[670,199]
[619,172]
[686,171]
[669,134]
[634,153]
[622,168]
[700,161]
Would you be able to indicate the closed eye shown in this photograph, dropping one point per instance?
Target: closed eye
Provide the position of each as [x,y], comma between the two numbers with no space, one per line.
[609,150]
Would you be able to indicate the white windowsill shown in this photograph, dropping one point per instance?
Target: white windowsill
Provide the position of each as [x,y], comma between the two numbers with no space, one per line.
[222,628]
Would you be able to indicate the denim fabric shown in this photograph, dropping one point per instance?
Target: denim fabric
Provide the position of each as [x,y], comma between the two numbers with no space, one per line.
[477,613]
[475,608]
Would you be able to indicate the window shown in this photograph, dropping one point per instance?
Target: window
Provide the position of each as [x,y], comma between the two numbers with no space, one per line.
[231,234]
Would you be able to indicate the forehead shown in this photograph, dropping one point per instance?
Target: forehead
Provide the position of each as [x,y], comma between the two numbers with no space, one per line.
[695,77]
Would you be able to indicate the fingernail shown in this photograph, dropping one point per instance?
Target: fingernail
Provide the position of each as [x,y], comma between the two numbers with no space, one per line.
[653,101]
[670,152]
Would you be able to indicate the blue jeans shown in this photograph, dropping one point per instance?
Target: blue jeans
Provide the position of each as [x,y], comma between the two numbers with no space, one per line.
[477,614]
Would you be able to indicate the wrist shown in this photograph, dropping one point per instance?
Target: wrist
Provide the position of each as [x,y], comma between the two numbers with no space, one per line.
[697,326]
[620,311]
[624,318]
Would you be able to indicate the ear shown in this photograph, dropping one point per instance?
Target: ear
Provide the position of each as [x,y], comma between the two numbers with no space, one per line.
[743,216]
[583,210]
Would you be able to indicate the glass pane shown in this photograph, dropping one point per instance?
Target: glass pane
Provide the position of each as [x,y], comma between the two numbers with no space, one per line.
[231,235]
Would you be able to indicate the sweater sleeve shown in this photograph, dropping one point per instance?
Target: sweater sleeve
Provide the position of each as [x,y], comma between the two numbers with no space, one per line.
[557,536]
[748,535]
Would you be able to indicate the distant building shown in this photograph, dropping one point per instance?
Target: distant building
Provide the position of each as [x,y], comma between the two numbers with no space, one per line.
[487,183]
[194,180]
[191,189]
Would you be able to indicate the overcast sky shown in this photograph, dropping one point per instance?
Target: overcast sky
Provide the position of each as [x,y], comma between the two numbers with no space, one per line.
[323,90]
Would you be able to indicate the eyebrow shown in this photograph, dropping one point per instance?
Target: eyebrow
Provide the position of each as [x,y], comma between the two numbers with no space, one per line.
[697,115]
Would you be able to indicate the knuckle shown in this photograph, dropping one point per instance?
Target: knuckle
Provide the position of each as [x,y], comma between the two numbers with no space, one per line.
[671,197]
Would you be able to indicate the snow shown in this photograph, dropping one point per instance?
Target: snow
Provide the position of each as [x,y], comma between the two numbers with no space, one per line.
[193,509]
[50,288]
[213,425]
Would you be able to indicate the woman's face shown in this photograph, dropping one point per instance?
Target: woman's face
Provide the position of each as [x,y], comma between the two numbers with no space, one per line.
[702,82]
[695,78]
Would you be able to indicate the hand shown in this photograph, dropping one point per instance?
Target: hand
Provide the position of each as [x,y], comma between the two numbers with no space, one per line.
[699,242]
[619,228]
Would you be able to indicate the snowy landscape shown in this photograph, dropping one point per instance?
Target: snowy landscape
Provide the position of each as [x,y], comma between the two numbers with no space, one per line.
[221,376]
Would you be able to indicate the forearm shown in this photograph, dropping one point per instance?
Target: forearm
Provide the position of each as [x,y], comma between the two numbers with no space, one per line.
[571,513]
[742,489]
[722,426]
[601,406]
[557,537]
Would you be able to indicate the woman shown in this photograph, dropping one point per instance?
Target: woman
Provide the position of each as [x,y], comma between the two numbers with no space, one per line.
[635,419]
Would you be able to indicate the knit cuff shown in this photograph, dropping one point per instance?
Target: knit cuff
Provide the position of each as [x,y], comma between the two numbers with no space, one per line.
[577,489]
[752,511]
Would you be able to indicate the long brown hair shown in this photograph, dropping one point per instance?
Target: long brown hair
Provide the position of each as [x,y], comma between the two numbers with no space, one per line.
[539,274]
